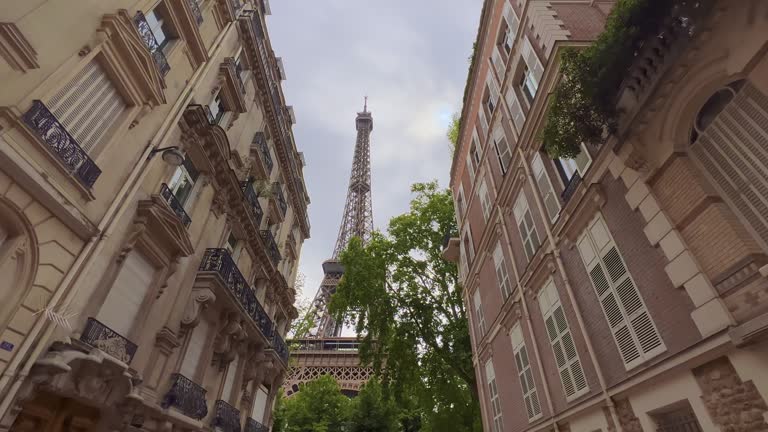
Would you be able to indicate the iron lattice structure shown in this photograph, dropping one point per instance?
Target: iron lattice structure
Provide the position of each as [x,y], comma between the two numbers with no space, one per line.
[322,350]
[356,221]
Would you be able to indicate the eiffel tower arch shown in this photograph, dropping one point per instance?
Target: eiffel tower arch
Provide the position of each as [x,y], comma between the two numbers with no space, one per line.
[322,350]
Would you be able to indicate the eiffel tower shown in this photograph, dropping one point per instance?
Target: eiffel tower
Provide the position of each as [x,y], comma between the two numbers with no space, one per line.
[322,350]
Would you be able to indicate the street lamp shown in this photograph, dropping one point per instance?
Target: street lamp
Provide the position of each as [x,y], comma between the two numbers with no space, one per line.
[171,155]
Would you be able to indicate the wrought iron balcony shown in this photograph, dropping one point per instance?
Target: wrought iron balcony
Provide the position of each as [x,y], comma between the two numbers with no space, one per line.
[151,43]
[176,206]
[278,344]
[186,396]
[271,246]
[218,260]
[226,417]
[196,12]
[277,192]
[261,142]
[570,188]
[98,335]
[67,150]
[253,200]
[252,425]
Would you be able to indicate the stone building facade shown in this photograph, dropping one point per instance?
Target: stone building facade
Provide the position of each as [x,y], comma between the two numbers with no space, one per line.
[152,212]
[625,289]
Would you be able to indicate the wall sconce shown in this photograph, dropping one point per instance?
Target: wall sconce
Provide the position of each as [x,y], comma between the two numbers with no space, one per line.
[171,155]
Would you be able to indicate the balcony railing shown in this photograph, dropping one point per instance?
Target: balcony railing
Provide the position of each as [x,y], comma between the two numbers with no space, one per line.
[151,43]
[278,344]
[277,192]
[261,141]
[570,188]
[186,396]
[253,200]
[325,345]
[271,246]
[226,417]
[97,335]
[218,260]
[196,12]
[63,145]
[252,425]
[176,206]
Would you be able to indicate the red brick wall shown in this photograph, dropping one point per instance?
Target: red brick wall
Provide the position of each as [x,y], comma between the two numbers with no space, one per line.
[584,21]
[490,293]
[510,393]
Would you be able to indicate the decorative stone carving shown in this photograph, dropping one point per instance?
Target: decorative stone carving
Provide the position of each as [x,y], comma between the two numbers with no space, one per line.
[200,299]
[226,343]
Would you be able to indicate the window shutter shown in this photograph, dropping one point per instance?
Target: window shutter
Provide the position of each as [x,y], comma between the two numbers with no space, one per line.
[502,275]
[503,151]
[551,202]
[634,332]
[483,122]
[479,313]
[228,393]
[560,338]
[124,300]
[532,60]
[516,110]
[493,87]
[195,349]
[512,22]
[583,160]
[259,404]
[88,106]
[498,61]
[490,376]
[527,229]
[528,386]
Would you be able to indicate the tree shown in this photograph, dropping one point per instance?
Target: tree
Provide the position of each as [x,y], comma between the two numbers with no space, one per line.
[372,411]
[319,406]
[453,130]
[303,323]
[404,298]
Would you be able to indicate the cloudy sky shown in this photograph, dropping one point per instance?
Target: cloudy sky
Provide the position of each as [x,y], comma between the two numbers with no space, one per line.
[410,58]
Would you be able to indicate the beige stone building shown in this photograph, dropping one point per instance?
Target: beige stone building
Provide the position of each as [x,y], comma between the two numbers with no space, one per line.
[625,289]
[152,212]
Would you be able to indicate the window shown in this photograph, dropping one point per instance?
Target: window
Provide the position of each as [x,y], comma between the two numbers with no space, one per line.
[502,275]
[503,151]
[551,202]
[493,393]
[485,201]
[567,168]
[515,109]
[217,109]
[483,122]
[633,330]
[533,71]
[527,85]
[259,404]
[461,205]
[183,181]
[512,25]
[563,347]
[492,96]
[88,106]
[195,349]
[498,62]
[525,374]
[525,224]
[241,66]
[479,316]
[160,25]
[123,303]
[475,154]
[229,392]
[231,247]
[677,418]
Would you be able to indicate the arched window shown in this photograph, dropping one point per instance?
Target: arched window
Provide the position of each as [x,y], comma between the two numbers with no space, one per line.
[730,141]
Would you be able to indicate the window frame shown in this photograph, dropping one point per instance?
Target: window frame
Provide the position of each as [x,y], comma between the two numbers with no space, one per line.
[497,417]
[502,274]
[541,176]
[185,171]
[520,210]
[485,199]
[525,373]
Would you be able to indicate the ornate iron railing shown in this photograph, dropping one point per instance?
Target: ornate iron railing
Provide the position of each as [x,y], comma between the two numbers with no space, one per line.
[277,192]
[226,417]
[63,145]
[176,206]
[570,188]
[325,345]
[218,260]
[278,344]
[151,43]
[196,12]
[261,141]
[271,246]
[252,425]
[253,200]
[186,396]
[97,335]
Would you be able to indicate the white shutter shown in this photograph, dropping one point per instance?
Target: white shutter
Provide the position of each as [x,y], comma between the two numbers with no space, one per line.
[583,160]
[516,110]
[551,202]
[485,201]
[195,349]
[532,60]
[493,392]
[493,87]
[528,233]
[229,381]
[503,150]
[563,347]
[259,404]
[88,106]
[498,62]
[525,374]
[483,121]
[124,300]
[479,314]
[502,275]
[512,22]
[634,332]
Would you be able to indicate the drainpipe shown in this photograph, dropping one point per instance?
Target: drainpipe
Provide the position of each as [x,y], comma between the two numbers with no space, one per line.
[96,244]
[571,296]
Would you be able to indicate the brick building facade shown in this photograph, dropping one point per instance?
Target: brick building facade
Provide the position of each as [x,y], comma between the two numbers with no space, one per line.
[152,212]
[625,289]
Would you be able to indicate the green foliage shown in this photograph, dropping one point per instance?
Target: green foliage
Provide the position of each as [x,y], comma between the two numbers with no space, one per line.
[372,411]
[278,419]
[453,130]
[404,298]
[319,406]
[583,106]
